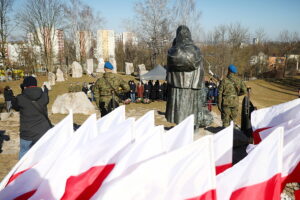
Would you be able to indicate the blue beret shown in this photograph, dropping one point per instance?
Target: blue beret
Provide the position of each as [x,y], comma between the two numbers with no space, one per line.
[108,65]
[232,69]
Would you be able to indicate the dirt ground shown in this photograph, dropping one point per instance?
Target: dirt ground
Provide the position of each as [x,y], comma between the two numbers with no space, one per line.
[264,93]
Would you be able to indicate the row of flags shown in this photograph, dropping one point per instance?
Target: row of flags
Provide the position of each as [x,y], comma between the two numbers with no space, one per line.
[118,158]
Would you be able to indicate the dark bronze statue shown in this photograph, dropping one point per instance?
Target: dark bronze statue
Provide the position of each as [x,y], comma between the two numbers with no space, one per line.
[185,72]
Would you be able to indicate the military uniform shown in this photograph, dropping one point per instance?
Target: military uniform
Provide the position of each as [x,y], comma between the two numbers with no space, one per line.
[103,89]
[228,101]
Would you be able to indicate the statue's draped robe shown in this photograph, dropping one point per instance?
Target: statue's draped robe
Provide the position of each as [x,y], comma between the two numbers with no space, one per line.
[185,72]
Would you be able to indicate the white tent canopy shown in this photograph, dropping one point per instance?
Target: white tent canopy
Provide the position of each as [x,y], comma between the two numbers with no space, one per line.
[158,73]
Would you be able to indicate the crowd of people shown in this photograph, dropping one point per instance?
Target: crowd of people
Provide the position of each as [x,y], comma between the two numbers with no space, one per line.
[154,91]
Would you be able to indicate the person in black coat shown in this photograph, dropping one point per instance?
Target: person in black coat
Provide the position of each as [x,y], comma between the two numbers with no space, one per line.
[146,90]
[8,96]
[132,86]
[34,122]
[165,90]
[153,91]
[160,92]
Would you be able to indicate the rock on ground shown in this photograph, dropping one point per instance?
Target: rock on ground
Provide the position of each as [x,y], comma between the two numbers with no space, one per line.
[76,70]
[78,102]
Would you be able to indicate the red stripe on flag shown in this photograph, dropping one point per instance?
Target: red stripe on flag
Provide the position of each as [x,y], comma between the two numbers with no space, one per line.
[85,185]
[256,136]
[222,168]
[14,176]
[269,189]
[26,195]
[293,177]
[297,194]
[210,195]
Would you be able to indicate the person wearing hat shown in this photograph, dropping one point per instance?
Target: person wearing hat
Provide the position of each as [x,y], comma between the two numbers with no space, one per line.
[230,89]
[106,90]
[34,121]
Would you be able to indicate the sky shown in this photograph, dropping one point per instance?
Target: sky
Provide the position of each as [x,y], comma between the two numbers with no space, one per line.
[273,16]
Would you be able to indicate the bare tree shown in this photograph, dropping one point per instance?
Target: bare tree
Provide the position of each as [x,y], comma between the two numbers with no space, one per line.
[153,25]
[40,19]
[218,53]
[82,20]
[237,34]
[260,34]
[186,13]
[289,43]
[5,8]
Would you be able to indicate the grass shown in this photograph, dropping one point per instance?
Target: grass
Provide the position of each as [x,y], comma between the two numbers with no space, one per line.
[58,89]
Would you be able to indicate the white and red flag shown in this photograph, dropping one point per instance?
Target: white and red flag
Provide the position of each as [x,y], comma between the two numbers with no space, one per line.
[26,184]
[185,173]
[78,175]
[148,146]
[52,142]
[257,176]
[223,146]
[291,150]
[266,118]
[291,153]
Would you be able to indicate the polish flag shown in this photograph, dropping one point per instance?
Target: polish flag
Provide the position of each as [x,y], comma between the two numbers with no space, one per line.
[50,143]
[26,184]
[150,145]
[79,174]
[291,155]
[257,176]
[111,119]
[185,173]
[223,145]
[266,118]
[291,150]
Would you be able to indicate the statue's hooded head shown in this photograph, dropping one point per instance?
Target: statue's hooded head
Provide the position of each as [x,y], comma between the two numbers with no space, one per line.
[183,36]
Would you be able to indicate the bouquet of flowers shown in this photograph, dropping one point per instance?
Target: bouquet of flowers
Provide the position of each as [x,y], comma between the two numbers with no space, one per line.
[146,101]
[138,100]
[127,101]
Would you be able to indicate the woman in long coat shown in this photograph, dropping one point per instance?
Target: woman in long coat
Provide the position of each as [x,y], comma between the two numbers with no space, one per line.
[140,90]
[185,74]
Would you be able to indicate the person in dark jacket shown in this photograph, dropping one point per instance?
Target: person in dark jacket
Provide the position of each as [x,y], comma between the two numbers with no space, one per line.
[33,123]
[132,86]
[146,90]
[160,92]
[8,96]
[153,91]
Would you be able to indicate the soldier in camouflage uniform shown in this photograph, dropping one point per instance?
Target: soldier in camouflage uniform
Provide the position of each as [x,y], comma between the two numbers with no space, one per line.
[228,101]
[105,87]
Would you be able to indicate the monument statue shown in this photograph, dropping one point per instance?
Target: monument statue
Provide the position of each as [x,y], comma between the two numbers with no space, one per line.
[185,72]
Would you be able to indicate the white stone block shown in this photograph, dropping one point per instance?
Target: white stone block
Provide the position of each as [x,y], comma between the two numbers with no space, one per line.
[76,70]
[78,102]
